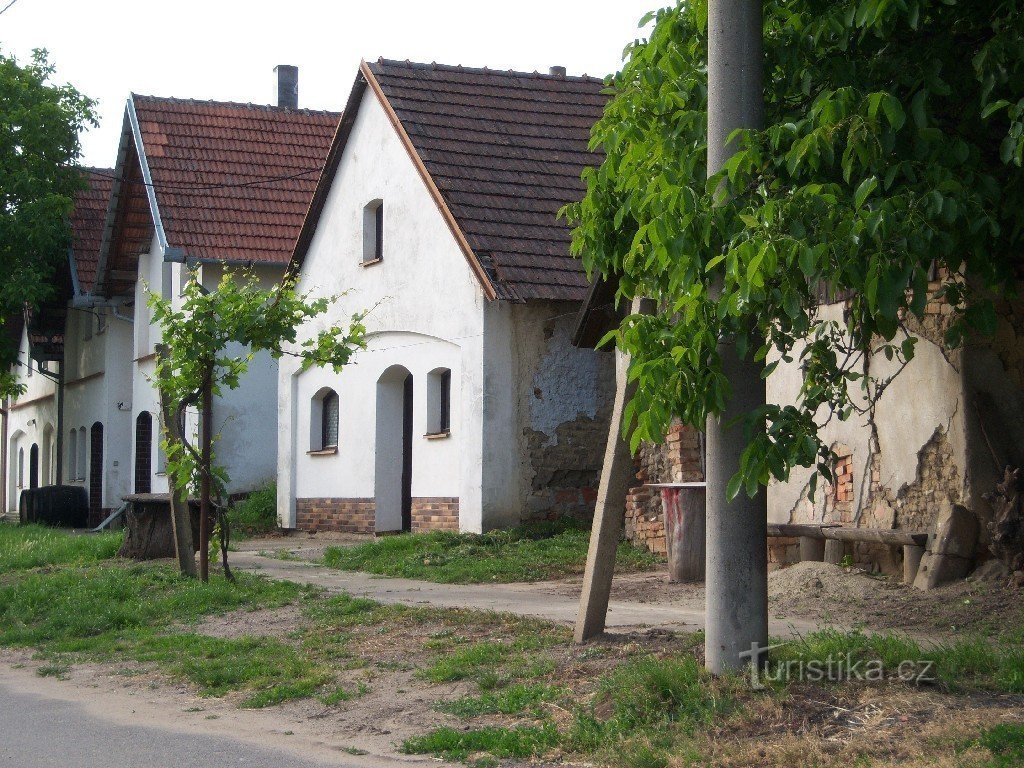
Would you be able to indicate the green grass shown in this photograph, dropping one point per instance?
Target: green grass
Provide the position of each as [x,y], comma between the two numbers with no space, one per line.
[642,712]
[78,608]
[23,547]
[531,552]
[514,699]
[256,514]
[966,664]
[1005,743]
[452,744]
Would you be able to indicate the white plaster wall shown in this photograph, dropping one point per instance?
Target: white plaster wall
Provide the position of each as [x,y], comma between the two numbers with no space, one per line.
[927,395]
[28,418]
[427,312]
[244,419]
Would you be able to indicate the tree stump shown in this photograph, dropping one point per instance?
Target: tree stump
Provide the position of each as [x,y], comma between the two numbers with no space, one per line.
[1006,529]
[149,534]
[684,505]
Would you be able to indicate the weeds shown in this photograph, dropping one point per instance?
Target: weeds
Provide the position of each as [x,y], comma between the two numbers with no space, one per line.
[256,514]
[528,553]
[23,547]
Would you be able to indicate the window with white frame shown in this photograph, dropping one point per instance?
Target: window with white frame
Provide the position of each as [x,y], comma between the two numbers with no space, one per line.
[373,232]
[439,402]
[323,421]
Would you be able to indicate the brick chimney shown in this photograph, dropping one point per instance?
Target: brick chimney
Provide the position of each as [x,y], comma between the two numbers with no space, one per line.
[287,88]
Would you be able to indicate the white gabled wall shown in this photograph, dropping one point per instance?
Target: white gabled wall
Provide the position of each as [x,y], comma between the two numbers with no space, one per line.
[427,313]
[243,418]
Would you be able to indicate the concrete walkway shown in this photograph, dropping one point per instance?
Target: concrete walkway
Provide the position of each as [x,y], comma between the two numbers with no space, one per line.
[539,600]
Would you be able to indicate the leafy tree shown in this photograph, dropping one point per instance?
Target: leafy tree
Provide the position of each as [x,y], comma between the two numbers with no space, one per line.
[892,150]
[39,126]
[208,342]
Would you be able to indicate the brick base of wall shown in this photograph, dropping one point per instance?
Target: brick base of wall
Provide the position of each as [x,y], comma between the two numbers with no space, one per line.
[359,515]
[342,515]
[439,513]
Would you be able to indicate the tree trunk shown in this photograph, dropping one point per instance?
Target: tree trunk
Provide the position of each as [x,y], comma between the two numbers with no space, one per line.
[181,525]
[205,467]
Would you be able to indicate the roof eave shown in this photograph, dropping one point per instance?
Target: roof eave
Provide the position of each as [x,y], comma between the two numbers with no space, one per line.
[131,135]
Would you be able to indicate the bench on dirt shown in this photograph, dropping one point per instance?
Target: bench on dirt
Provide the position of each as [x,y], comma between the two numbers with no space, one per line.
[824,542]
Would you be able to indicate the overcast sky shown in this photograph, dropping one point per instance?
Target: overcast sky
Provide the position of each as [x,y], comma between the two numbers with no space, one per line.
[227,49]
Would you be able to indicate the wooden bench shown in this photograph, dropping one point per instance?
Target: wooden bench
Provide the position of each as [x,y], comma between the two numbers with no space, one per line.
[823,542]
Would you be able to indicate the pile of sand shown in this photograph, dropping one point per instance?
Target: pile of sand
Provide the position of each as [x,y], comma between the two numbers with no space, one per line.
[820,581]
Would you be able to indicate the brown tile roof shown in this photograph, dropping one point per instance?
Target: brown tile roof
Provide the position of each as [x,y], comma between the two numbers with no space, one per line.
[505,149]
[233,181]
[87,224]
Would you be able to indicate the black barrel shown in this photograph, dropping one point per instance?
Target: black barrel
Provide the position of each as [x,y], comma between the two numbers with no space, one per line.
[63,506]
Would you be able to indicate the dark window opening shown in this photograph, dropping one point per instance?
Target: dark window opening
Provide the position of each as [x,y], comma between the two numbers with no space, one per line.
[445,421]
[329,421]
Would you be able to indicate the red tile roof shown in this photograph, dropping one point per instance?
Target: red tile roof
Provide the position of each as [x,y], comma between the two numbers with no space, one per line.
[233,181]
[506,150]
[87,224]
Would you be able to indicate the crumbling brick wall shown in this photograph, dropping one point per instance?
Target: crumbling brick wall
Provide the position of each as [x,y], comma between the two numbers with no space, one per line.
[677,460]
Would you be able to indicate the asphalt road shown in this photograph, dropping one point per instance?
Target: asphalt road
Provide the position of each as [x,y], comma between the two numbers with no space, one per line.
[38,732]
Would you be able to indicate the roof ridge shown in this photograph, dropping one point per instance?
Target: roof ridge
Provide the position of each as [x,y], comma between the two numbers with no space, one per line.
[486,70]
[242,104]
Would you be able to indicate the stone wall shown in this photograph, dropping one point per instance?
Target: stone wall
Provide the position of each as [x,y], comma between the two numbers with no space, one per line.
[564,404]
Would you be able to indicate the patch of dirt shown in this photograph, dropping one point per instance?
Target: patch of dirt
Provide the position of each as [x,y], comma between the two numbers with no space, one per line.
[849,596]
[877,725]
[845,597]
[301,545]
[278,623]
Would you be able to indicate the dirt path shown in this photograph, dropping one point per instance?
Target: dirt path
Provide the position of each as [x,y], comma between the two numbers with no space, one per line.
[678,609]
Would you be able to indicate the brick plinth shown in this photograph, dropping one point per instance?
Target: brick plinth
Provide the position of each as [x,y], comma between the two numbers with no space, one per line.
[343,515]
[439,513]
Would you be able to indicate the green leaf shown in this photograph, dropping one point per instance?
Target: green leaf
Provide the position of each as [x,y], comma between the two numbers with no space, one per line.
[732,490]
[864,189]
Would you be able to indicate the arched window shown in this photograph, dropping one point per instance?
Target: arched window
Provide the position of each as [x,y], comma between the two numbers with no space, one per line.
[323,420]
[373,232]
[439,401]
[21,467]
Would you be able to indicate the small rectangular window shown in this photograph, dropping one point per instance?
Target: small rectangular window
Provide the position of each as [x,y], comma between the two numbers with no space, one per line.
[445,422]
[373,232]
[329,426]
[378,234]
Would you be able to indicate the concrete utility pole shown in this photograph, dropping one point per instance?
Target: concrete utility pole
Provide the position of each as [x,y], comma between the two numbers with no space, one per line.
[736,607]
